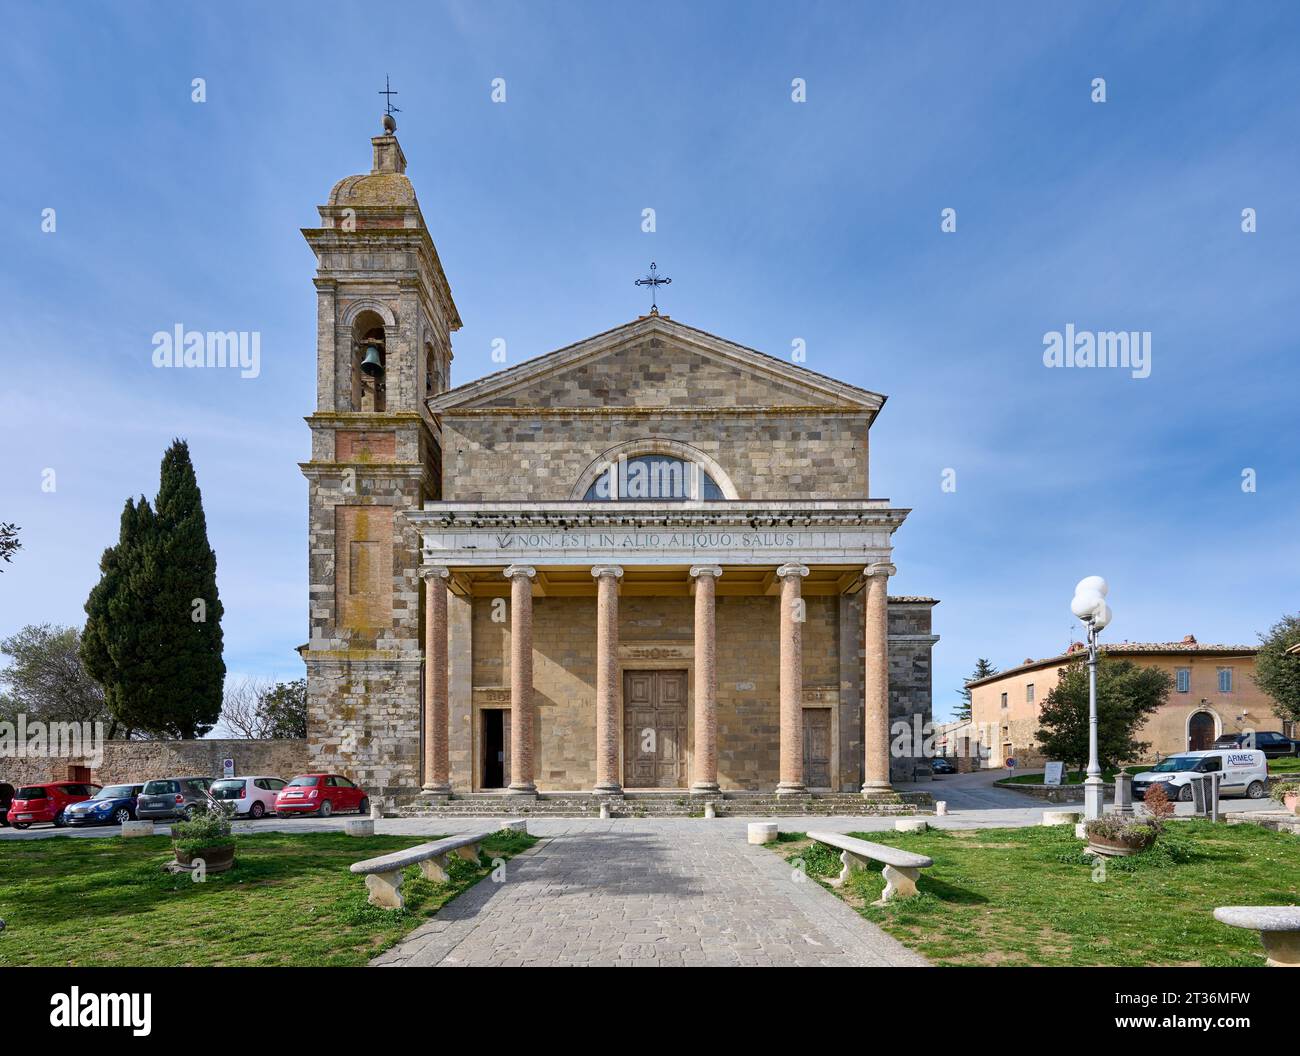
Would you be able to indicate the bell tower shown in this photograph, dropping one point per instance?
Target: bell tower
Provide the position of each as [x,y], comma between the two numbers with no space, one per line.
[384,318]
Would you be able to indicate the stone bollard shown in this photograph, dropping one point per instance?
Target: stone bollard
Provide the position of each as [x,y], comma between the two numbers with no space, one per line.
[762,831]
[137,828]
[604,812]
[1080,831]
[709,810]
[1061,817]
[359,826]
[910,825]
[940,807]
[1123,793]
[376,812]
[518,825]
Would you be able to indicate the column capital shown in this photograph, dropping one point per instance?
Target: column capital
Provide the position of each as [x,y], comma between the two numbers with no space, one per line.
[879,568]
[705,570]
[519,570]
[791,569]
[607,570]
[435,572]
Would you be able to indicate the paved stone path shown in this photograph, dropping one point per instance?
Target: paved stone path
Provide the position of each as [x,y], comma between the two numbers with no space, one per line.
[630,892]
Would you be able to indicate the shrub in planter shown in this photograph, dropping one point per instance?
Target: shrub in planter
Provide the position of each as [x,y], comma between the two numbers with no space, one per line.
[1115,835]
[1289,794]
[207,835]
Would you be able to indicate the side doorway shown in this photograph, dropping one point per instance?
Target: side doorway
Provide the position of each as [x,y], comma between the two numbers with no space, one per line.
[817,748]
[495,741]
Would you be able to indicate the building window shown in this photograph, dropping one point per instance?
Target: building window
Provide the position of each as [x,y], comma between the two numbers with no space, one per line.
[1183,677]
[1225,680]
[1004,700]
[653,478]
[1029,693]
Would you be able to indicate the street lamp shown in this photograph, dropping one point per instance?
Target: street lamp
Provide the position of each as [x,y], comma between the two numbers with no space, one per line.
[1089,605]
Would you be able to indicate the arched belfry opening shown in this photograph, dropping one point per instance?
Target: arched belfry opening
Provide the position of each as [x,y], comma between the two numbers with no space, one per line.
[369,363]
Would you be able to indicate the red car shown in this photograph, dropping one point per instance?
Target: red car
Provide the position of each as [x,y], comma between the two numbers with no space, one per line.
[33,804]
[322,794]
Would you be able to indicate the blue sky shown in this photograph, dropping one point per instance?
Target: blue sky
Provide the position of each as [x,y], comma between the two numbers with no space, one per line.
[776,220]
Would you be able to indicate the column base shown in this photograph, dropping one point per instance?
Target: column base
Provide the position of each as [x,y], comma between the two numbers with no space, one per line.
[529,790]
[876,788]
[435,792]
[790,788]
[704,788]
[607,790]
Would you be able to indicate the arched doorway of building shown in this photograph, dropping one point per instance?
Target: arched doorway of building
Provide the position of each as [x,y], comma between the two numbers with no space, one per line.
[1200,731]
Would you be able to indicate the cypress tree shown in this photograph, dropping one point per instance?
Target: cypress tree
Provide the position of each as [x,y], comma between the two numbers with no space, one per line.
[153,630]
[188,669]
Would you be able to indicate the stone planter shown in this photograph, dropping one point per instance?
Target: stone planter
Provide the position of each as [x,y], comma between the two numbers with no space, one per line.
[215,859]
[1113,848]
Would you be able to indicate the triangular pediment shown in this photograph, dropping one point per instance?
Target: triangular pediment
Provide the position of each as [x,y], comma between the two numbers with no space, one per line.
[653,362]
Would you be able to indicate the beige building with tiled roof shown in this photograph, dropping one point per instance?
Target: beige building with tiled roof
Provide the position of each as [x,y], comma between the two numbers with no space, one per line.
[1214,692]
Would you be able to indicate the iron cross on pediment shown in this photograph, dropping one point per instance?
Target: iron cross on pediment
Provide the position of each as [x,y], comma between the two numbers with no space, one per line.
[654,280]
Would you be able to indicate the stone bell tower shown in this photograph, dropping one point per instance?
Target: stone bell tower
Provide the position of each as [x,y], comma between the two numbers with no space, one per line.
[384,317]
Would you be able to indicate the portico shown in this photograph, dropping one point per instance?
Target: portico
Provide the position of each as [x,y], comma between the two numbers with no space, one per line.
[631,594]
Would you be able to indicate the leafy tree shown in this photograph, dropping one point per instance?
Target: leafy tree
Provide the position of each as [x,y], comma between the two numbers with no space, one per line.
[9,542]
[1126,697]
[47,681]
[153,634]
[262,711]
[1277,673]
[982,670]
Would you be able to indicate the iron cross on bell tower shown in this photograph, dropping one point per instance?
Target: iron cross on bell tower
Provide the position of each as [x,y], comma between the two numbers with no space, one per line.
[654,281]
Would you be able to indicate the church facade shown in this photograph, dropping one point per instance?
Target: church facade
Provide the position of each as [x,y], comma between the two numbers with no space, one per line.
[648,560]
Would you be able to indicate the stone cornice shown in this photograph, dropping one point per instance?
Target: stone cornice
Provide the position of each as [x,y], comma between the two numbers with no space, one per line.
[693,410]
[701,514]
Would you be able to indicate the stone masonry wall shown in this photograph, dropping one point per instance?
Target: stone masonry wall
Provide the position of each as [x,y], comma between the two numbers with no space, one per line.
[138,761]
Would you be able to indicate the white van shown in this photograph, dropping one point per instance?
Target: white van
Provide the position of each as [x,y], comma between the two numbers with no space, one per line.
[1242,772]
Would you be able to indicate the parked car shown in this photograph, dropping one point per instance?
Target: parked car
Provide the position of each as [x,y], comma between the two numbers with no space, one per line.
[173,797]
[111,805]
[1273,745]
[6,798]
[940,765]
[254,796]
[322,794]
[34,804]
[1242,772]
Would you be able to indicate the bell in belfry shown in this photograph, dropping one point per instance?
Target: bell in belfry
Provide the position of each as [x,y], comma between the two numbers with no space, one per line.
[372,365]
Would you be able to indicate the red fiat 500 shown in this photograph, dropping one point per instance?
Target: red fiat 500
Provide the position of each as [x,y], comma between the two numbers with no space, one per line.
[34,804]
[322,794]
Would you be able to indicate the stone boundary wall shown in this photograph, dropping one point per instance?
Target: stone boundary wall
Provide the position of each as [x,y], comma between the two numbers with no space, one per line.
[138,761]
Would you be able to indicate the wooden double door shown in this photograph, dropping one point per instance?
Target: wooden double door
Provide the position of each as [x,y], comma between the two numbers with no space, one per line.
[654,729]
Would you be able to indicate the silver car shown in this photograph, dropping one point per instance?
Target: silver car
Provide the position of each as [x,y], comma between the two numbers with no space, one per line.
[173,797]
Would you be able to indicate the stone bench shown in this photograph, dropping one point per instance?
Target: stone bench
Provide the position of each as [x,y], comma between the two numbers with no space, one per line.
[901,868]
[384,874]
[1278,927]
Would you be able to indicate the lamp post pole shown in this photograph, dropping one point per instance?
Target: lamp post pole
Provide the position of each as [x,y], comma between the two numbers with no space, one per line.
[1093,786]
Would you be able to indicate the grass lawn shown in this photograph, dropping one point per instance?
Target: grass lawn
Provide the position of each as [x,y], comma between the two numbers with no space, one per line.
[1027,896]
[1288,765]
[289,900]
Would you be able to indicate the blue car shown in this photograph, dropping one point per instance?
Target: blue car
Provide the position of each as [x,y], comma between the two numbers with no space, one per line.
[111,805]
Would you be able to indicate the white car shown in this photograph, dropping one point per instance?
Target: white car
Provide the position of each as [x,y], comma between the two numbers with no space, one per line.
[254,796]
[1242,771]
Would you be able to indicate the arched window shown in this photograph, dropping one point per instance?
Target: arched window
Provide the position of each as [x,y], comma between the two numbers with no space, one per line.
[653,478]
[369,363]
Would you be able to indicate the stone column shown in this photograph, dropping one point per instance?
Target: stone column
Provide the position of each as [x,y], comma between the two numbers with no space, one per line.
[875,721]
[706,680]
[792,621]
[521,679]
[607,688]
[437,770]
